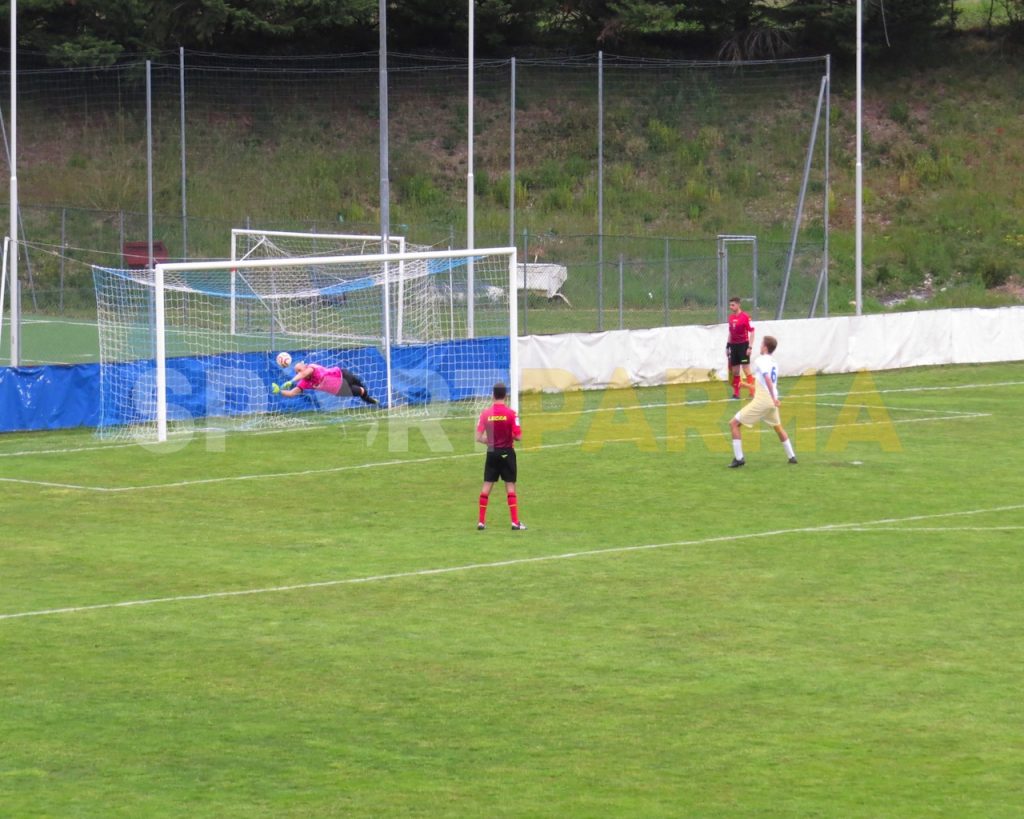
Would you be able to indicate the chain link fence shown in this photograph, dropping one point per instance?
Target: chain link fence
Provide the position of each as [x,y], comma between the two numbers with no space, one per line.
[611,143]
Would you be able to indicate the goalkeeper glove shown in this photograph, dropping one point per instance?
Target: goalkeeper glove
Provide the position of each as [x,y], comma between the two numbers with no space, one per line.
[276,389]
[287,385]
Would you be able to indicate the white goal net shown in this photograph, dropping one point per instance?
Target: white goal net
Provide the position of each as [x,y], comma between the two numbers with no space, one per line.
[423,331]
[254,243]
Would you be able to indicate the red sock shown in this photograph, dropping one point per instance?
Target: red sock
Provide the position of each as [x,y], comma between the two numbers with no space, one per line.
[750,383]
[483,508]
[735,385]
[513,508]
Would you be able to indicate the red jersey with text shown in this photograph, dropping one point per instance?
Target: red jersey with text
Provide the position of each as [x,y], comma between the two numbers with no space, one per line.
[501,425]
[740,328]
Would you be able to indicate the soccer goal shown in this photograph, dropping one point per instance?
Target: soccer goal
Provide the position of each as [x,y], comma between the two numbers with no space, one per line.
[172,351]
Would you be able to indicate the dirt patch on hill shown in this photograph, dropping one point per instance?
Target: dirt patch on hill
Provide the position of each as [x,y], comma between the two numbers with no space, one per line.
[1014,287]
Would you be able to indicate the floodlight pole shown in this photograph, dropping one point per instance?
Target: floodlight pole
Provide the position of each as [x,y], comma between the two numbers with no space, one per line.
[470,217]
[385,189]
[13,294]
[858,225]
[149,163]
[385,192]
[512,164]
[184,174]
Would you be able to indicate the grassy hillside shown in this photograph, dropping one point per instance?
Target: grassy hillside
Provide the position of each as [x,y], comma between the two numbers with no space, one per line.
[943,147]
[944,153]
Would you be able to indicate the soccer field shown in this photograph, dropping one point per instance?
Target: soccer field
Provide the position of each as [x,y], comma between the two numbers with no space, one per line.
[308,623]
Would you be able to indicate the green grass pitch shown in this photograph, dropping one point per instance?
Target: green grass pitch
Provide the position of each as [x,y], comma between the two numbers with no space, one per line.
[308,624]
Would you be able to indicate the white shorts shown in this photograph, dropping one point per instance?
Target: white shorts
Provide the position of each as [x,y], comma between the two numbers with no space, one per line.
[762,408]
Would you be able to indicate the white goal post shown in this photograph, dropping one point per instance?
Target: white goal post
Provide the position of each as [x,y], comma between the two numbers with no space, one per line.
[172,350]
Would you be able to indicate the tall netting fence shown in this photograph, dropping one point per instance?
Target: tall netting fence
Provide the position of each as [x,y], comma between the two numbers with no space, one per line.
[617,174]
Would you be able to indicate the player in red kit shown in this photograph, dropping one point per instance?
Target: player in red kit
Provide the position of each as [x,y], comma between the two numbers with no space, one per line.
[741,342]
[499,429]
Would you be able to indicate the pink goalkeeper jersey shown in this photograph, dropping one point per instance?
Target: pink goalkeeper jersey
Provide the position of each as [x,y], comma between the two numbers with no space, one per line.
[327,379]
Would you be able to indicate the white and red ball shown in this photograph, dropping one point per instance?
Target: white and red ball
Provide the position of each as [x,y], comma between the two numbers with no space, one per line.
[284,360]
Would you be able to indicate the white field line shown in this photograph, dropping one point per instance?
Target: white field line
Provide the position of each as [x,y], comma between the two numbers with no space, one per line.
[588,411]
[880,406]
[788,397]
[434,458]
[78,322]
[43,362]
[500,564]
[66,450]
[807,429]
[229,478]
[932,529]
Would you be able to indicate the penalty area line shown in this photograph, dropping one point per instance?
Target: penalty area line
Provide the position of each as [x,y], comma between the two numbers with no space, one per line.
[328,470]
[577,412]
[499,564]
[911,529]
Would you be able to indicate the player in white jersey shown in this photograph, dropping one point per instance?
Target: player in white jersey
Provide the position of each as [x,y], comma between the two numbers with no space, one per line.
[764,407]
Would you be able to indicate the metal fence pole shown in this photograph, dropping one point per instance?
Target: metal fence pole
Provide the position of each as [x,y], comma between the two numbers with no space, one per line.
[666,283]
[184,177]
[526,301]
[621,264]
[755,277]
[149,160]
[800,201]
[719,297]
[512,162]
[600,190]
[828,150]
[63,245]
[725,282]
[12,259]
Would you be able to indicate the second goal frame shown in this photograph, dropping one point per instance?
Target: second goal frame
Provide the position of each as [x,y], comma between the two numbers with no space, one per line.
[724,240]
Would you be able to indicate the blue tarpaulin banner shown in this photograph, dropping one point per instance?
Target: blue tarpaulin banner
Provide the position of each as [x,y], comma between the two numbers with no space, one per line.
[64,396]
[50,397]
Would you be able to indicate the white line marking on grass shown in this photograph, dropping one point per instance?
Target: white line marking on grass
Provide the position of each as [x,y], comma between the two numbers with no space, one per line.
[65,450]
[433,459]
[590,411]
[79,322]
[787,397]
[202,481]
[878,406]
[931,529]
[808,429]
[499,564]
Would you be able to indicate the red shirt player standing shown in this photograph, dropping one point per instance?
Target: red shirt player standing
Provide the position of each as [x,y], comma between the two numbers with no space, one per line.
[499,428]
[737,350]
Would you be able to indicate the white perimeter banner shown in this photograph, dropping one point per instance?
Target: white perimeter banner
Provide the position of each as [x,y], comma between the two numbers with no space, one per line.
[673,355]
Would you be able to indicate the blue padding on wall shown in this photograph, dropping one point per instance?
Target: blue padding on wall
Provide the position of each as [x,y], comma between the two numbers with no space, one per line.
[63,396]
[50,397]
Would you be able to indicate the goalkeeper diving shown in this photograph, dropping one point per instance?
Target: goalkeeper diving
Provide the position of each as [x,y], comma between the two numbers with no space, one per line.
[332,380]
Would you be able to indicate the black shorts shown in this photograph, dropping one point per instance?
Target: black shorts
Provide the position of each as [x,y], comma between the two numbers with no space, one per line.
[738,353]
[500,463]
[348,382]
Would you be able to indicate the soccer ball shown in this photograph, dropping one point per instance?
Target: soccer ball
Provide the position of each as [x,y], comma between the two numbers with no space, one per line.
[284,360]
